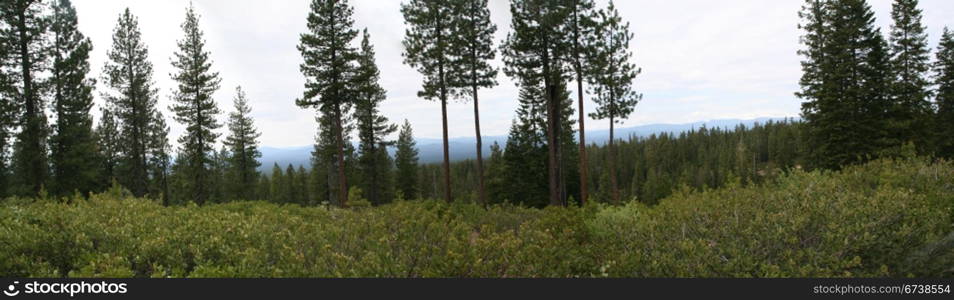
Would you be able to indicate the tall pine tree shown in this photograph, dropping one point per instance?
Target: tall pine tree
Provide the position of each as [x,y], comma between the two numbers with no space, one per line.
[944,78]
[406,160]
[373,127]
[613,77]
[472,48]
[844,83]
[243,145]
[195,108]
[328,67]
[128,73]
[535,54]
[27,23]
[910,64]
[73,147]
[583,26]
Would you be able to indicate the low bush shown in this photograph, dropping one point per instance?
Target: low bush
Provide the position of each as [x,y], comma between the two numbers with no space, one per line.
[886,218]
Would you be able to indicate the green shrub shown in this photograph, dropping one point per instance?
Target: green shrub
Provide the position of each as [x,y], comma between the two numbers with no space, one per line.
[871,220]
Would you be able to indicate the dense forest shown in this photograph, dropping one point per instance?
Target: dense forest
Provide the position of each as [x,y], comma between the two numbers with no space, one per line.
[875,136]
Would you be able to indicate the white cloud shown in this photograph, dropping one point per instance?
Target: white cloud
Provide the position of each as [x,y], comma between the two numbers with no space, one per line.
[701,59]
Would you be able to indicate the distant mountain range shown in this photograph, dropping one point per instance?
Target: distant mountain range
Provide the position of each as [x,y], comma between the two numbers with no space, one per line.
[465,147]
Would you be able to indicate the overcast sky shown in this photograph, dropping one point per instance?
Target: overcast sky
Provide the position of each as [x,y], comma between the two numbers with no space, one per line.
[701,59]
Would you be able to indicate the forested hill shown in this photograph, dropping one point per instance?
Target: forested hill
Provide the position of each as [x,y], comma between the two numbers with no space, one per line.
[465,147]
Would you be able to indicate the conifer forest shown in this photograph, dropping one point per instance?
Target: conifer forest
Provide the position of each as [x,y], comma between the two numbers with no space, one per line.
[96,181]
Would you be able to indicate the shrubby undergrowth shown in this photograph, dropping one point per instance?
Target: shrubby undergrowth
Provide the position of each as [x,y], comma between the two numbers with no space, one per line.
[886,218]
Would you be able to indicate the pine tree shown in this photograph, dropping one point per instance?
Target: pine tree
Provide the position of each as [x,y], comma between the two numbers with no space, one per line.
[277,188]
[525,155]
[243,145]
[301,183]
[583,26]
[160,158]
[128,73]
[288,186]
[26,32]
[534,54]
[328,68]
[471,45]
[373,127]
[109,146]
[9,110]
[944,78]
[910,66]
[496,174]
[613,79]
[73,148]
[194,106]
[844,83]
[428,48]
[406,160]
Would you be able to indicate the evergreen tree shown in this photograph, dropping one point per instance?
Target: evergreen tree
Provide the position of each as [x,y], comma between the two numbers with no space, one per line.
[301,183]
[428,48]
[471,44]
[9,110]
[944,78]
[844,83]
[526,152]
[128,73]
[160,158]
[243,145]
[328,67]
[534,54]
[109,146]
[194,106]
[277,188]
[26,25]
[613,79]
[910,65]
[583,26]
[406,160]
[73,148]
[373,127]
[288,185]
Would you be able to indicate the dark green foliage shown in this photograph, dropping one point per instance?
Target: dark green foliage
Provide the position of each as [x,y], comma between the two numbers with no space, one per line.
[277,183]
[132,102]
[944,79]
[612,79]
[374,164]
[429,47]
[329,64]
[534,54]
[26,25]
[160,159]
[648,168]
[405,161]
[195,108]
[109,146]
[845,84]
[242,143]
[910,64]
[73,147]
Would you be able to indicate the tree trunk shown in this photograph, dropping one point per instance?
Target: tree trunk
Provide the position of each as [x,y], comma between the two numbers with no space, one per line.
[481,194]
[612,164]
[29,102]
[579,94]
[342,181]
